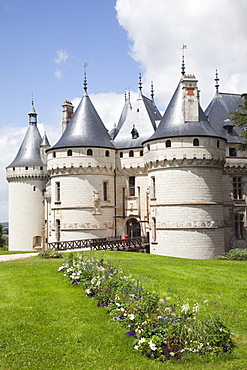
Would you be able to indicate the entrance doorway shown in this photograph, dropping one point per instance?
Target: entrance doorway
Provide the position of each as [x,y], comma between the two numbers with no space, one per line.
[133,228]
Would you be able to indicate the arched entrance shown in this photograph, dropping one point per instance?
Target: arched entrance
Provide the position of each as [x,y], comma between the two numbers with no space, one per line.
[133,228]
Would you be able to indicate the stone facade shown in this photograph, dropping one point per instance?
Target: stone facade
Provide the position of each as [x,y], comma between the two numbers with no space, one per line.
[182,184]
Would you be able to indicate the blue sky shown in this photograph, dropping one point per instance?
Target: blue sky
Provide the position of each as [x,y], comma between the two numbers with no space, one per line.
[44,45]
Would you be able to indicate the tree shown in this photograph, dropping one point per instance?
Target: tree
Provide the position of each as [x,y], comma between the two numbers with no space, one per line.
[2,238]
[239,117]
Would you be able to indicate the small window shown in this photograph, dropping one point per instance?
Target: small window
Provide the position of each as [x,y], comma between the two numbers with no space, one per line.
[218,143]
[89,152]
[137,110]
[121,155]
[57,190]
[54,154]
[153,188]
[26,168]
[13,168]
[148,146]
[131,153]
[69,153]
[34,188]
[141,153]
[237,188]
[168,143]
[154,230]
[41,168]
[195,142]
[107,153]
[105,191]
[232,152]
[132,186]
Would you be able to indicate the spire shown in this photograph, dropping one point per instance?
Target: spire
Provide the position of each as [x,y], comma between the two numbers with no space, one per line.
[152,91]
[216,82]
[183,64]
[85,79]
[32,115]
[140,83]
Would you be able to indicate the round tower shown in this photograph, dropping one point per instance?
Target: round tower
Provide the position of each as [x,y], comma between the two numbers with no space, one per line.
[27,177]
[185,159]
[81,166]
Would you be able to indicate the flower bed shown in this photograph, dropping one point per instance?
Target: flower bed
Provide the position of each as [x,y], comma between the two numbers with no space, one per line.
[161,329]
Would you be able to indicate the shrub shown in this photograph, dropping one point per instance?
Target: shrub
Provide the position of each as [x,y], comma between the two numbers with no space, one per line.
[235,254]
[50,254]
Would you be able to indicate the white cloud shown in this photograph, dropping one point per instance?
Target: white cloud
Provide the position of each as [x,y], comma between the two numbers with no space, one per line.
[215,32]
[58,74]
[62,56]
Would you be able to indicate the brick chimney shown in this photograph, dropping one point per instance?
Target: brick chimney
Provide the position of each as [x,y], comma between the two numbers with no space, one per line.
[190,98]
[68,110]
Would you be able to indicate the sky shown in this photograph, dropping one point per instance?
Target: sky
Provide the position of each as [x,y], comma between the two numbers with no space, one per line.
[45,44]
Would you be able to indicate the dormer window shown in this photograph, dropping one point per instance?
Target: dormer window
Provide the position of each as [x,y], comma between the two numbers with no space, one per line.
[232,152]
[195,142]
[69,153]
[89,152]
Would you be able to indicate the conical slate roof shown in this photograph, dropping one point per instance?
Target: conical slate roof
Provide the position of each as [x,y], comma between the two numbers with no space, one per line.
[85,128]
[173,123]
[29,152]
[218,115]
[143,118]
[45,142]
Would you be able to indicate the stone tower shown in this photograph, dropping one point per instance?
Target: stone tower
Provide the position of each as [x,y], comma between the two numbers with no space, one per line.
[27,177]
[81,166]
[185,159]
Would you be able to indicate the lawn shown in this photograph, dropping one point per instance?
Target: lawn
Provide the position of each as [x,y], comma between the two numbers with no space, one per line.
[48,324]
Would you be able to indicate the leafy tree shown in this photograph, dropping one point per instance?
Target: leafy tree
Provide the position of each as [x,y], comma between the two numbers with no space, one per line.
[239,117]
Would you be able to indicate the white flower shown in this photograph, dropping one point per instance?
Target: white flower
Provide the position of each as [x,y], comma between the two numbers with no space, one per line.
[131,316]
[60,268]
[185,308]
[136,347]
[195,307]
[152,345]
[172,354]
[142,340]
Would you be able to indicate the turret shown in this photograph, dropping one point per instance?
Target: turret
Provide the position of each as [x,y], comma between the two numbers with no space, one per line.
[27,178]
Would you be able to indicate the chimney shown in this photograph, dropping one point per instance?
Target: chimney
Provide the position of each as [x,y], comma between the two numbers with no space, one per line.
[68,110]
[190,98]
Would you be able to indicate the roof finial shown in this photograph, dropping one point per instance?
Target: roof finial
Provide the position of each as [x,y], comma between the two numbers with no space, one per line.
[140,81]
[183,65]
[85,78]
[152,90]
[217,81]
[32,98]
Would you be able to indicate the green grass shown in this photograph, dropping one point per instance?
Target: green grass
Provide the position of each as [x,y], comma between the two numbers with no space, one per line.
[48,324]
[15,252]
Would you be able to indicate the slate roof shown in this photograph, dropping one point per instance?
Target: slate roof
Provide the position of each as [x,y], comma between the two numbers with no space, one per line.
[85,129]
[174,125]
[217,113]
[143,117]
[29,152]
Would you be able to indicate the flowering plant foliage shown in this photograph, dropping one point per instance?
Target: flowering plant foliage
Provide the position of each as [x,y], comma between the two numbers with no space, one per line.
[161,329]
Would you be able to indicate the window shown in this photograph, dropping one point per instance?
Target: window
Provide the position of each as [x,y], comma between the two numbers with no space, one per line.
[239,225]
[121,154]
[105,195]
[218,143]
[131,153]
[57,190]
[168,143]
[54,154]
[153,188]
[148,146]
[69,153]
[89,152]
[154,229]
[232,152]
[141,153]
[34,188]
[26,168]
[58,230]
[41,168]
[195,142]
[237,187]
[132,186]
[107,153]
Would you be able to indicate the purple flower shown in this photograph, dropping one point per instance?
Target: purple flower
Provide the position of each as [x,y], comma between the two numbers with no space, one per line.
[148,354]
[130,332]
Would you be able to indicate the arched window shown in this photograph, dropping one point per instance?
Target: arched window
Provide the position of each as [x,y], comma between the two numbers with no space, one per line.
[141,153]
[107,153]
[168,143]
[195,142]
[121,154]
[89,152]
[69,153]
[131,153]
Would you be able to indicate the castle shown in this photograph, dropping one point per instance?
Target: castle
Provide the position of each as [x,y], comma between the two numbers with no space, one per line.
[176,178]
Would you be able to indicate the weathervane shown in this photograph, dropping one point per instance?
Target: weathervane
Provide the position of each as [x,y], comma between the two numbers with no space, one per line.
[183,65]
